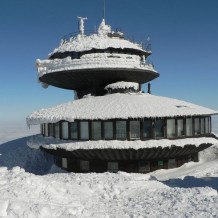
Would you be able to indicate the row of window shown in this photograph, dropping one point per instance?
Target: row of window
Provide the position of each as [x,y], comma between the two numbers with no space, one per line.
[77,55]
[142,165]
[128,129]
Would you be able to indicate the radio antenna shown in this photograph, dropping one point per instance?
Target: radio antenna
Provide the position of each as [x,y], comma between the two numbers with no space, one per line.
[104,10]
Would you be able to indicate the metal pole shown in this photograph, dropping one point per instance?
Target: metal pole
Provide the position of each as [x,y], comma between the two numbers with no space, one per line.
[104,10]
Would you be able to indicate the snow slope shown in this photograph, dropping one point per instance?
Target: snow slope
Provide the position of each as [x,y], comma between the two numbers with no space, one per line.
[188,191]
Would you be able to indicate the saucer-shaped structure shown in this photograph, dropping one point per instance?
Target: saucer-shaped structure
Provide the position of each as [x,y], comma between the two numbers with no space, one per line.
[90,62]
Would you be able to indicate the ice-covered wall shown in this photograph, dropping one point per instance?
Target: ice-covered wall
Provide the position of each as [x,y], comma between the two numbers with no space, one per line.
[92,61]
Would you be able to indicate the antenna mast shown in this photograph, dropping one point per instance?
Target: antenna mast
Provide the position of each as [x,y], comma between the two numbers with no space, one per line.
[104,10]
[81,24]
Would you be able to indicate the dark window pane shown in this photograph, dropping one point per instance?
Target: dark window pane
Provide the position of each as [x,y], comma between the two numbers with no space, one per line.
[134,129]
[84,165]
[64,163]
[144,166]
[96,130]
[160,164]
[171,163]
[189,127]
[147,129]
[171,128]
[202,126]
[113,166]
[180,127]
[207,125]
[46,129]
[159,128]
[84,130]
[108,130]
[51,132]
[41,129]
[65,134]
[57,130]
[73,130]
[121,129]
[197,126]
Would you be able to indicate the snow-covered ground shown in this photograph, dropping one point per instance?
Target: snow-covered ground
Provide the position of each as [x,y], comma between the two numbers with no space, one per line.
[31,186]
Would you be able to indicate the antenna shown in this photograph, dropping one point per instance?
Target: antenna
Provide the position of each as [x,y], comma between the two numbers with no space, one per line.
[104,10]
[81,24]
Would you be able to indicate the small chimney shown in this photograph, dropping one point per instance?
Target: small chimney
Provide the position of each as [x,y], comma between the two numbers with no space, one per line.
[149,88]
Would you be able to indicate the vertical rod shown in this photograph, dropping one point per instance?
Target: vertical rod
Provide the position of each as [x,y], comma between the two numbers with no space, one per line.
[104,10]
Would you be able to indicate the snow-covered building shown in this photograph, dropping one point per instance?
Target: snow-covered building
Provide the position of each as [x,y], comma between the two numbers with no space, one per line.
[112,125]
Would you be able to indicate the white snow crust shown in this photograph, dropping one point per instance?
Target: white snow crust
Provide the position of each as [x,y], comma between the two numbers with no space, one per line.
[92,61]
[95,41]
[123,85]
[124,106]
[53,143]
[187,191]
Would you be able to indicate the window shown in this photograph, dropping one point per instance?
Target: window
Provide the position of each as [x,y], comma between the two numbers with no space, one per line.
[112,167]
[202,126]
[84,165]
[121,129]
[180,128]
[73,130]
[84,130]
[147,129]
[171,163]
[196,126]
[42,129]
[46,129]
[108,130]
[57,130]
[206,124]
[159,128]
[134,129]
[96,130]
[171,128]
[65,133]
[64,163]
[144,166]
[189,127]
[51,132]
[160,164]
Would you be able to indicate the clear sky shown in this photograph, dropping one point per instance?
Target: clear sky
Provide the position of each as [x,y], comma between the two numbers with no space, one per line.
[184,37]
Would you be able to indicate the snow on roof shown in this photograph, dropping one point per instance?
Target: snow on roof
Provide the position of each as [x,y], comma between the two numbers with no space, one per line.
[123,85]
[53,143]
[95,41]
[93,61]
[123,106]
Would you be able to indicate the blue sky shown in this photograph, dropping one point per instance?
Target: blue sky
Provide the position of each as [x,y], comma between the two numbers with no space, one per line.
[184,37]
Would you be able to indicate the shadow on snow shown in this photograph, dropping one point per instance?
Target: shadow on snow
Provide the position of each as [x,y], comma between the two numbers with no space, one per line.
[17,153]
[191,182]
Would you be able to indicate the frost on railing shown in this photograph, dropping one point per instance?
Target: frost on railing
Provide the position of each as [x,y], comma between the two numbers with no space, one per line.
[67,38]
[74,36]
[96,60]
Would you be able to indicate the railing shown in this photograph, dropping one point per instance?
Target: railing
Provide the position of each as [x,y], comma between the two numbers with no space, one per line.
[66,38]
